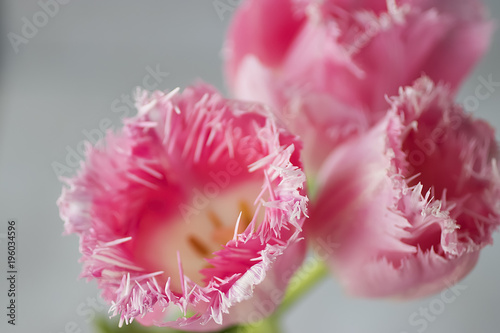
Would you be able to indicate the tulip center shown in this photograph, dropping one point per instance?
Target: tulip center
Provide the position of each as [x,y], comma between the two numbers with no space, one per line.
[202,225]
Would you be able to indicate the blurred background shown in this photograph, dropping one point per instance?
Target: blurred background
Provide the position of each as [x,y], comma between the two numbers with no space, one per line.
[78,66]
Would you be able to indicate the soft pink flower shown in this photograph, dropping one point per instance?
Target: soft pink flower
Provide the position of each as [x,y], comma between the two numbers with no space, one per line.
[189,216]
[324,64]
[405,209]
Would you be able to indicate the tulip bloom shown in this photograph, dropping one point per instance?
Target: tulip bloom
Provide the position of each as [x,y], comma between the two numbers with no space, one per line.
[189,216]
[405,209]
[324,64]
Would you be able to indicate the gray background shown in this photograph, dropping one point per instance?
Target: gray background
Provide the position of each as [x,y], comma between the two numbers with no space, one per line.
[64,81]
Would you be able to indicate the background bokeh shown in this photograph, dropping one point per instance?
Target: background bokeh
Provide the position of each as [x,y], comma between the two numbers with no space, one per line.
[77,69]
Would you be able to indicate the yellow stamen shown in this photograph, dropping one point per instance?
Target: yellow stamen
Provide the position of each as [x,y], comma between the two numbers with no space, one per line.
[198,246]
[214,219]
[246,215]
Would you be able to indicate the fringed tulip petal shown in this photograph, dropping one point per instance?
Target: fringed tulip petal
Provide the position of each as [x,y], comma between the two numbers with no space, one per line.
[406,207]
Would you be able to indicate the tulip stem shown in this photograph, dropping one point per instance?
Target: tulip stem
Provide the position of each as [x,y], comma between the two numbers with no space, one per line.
[268,325]
[303,281]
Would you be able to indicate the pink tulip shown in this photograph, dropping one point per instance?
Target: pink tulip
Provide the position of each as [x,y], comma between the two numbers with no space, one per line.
[405,209]
[189,216]
[324,64]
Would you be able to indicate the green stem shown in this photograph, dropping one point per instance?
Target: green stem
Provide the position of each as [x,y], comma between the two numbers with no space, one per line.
[268,325]
[306,278]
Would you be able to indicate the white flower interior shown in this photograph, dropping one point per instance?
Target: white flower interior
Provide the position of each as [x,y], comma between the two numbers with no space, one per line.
[201,228]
